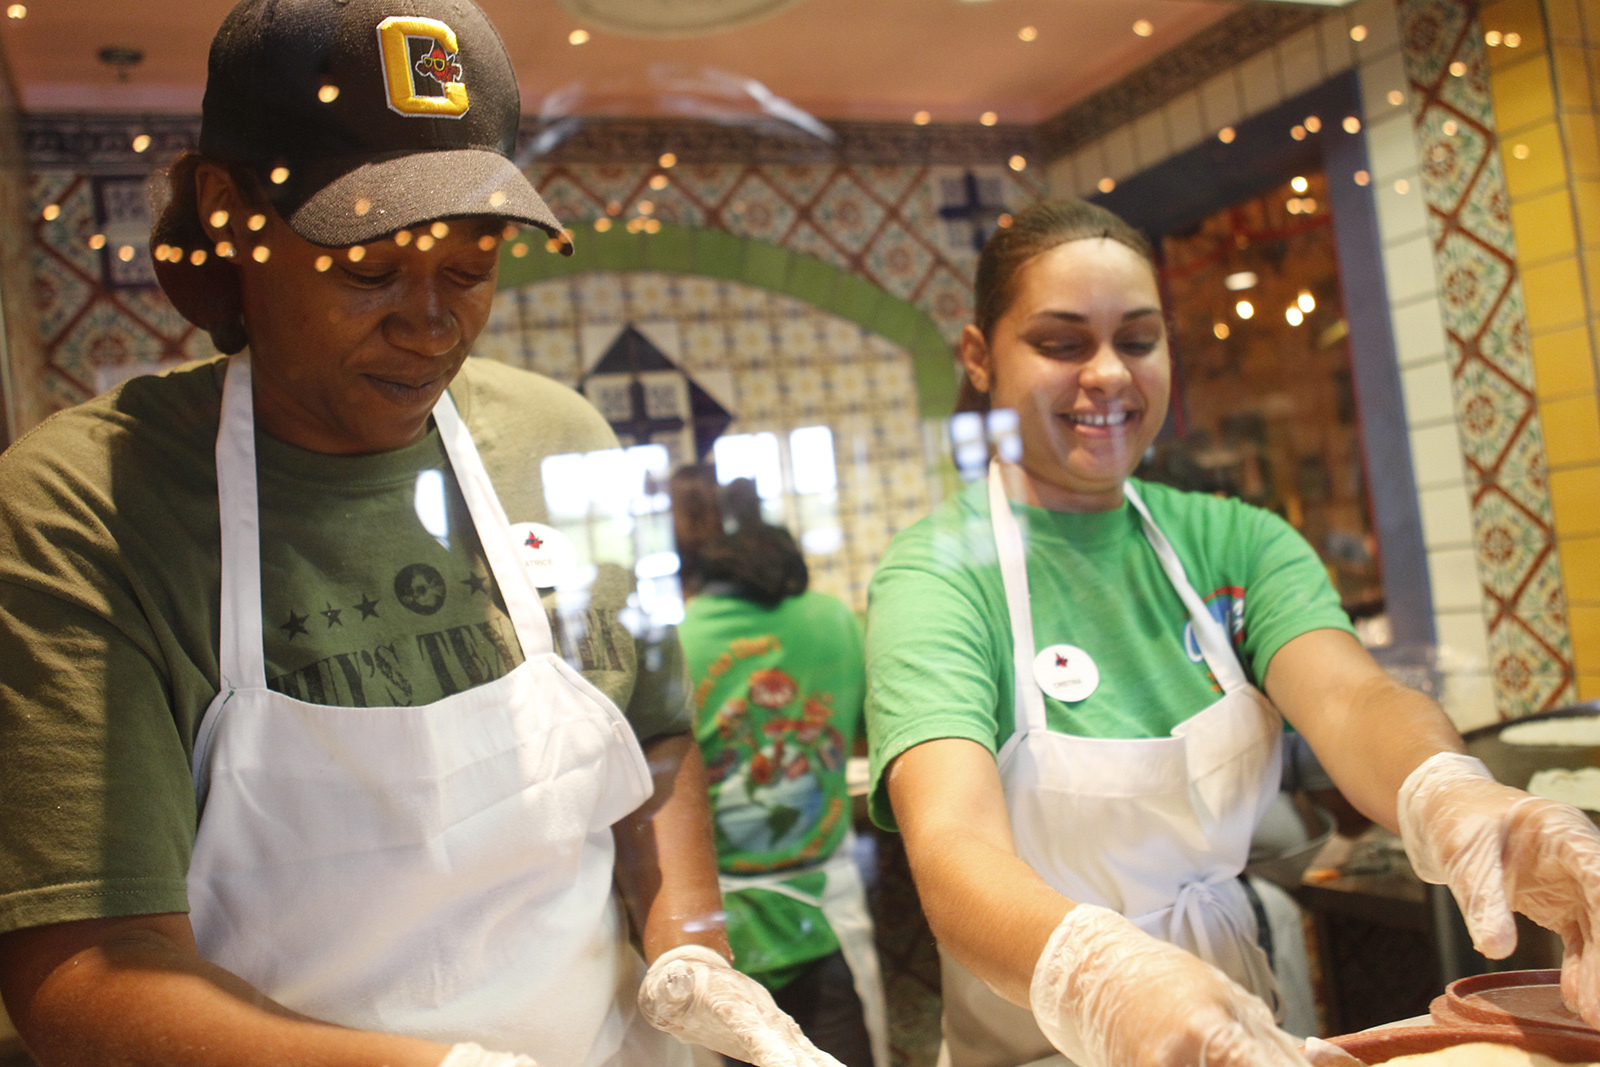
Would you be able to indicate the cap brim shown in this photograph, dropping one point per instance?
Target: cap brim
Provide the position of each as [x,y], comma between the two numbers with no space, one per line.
[376,199]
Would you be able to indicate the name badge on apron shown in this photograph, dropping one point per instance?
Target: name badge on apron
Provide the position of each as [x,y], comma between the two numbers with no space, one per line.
[546,553]
[1066,672]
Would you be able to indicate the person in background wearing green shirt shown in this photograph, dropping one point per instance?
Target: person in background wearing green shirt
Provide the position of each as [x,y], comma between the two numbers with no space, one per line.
[1076,686]
[777,679]
[295,767]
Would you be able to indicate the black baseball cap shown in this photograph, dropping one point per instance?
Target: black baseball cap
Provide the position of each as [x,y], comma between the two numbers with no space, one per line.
[364,117]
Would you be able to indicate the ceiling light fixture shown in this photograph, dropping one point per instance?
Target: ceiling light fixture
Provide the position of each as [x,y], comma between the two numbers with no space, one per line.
[922,118]
[578,37]
[1028,33]
[1239,281]
[1227,134]
[988,118]
[1144,28]
[122,60]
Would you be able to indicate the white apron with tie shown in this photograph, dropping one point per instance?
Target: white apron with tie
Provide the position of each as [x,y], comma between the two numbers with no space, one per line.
[1157,829]
[844,904]
[442,871]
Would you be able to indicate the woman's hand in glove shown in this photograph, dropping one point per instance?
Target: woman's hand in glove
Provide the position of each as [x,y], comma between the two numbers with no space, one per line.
[1498,848]
[1107,994]
[695,995]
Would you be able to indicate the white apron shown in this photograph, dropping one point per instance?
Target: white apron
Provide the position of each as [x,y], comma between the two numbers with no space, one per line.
[844,905]
[443,871]
[1157,829]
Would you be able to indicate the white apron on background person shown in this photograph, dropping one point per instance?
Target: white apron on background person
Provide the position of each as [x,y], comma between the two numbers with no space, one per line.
[442,871]
[844,905]
[1157,829]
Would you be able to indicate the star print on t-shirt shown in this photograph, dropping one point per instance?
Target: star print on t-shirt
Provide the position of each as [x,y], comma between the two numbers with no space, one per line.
[295,626]
[332,614]
[368,607]
[476,583]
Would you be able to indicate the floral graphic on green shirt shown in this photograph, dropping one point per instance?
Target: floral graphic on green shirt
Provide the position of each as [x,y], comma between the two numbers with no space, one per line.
[773,747]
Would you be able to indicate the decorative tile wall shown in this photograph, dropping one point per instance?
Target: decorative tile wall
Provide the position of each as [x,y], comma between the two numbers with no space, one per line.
[913,230]
[92,334]
[19,345]
[1544,78]
[776,363]
[1461,328]
[1489,361]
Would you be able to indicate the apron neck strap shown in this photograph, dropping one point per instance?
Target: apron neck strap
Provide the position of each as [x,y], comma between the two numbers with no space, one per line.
[494,531]
[1215,647]
[241,652]
[1208,632]
[241,656]
[1012,554]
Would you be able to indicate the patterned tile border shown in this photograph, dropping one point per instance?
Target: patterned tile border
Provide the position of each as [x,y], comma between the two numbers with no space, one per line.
[1490,358]
[1217,48]
[105,141]
[894,143]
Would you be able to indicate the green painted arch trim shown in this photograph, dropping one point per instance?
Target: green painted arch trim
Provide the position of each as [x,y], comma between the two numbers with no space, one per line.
[719,254]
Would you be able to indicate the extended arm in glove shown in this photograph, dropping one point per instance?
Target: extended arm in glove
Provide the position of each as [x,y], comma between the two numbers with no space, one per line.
[1500,849]
[1107,994]
[695,995]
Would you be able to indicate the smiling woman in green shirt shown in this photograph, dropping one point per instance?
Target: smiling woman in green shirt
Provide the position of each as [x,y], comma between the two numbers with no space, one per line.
[1076,686]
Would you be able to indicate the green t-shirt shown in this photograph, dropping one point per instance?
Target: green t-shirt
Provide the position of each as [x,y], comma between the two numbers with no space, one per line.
[939,650]
[375,591]
[777,696]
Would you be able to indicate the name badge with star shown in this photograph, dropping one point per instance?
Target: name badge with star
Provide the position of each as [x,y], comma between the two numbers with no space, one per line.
[546,552]
[1066,672]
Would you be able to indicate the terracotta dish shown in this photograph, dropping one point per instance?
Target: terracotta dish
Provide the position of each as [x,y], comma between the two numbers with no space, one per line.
[1519,1008]
[1514,998]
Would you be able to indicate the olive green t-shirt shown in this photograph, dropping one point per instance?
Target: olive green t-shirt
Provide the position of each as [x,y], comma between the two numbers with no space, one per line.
[375,592]
[939,649]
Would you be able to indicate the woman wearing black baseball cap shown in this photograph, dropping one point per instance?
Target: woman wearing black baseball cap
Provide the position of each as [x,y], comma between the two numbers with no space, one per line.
[298,766]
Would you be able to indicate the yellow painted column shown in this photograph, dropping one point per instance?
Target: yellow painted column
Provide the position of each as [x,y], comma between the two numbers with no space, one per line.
[1544,61]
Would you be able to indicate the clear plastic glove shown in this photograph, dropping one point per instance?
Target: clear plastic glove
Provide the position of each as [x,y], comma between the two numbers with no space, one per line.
[695,995]
[1107,994]
[1320,1053]
[1499,849]
[467,1054]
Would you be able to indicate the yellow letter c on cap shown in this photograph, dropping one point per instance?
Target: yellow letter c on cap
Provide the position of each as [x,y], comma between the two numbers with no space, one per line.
[392,34]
